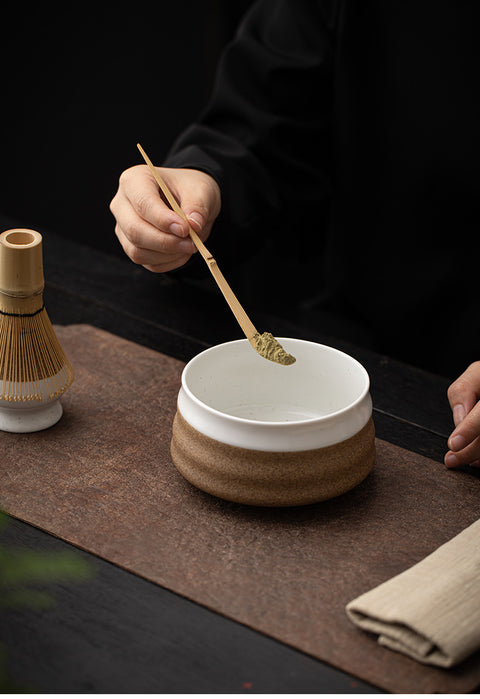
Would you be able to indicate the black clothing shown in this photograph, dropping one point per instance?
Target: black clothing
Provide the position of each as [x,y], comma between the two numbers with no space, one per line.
[345,136]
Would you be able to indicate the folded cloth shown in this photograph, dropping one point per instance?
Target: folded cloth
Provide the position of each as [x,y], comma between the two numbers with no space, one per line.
[431,611]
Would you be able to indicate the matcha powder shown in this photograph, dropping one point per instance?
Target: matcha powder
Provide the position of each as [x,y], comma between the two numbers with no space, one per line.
[269,348]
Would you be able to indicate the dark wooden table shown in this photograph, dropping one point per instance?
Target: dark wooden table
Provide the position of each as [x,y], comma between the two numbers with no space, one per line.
[118,633]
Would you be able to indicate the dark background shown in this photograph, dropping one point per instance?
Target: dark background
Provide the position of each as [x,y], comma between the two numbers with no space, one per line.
[81,85]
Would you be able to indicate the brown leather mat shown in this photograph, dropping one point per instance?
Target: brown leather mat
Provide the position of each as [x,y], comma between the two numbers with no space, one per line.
[103,479]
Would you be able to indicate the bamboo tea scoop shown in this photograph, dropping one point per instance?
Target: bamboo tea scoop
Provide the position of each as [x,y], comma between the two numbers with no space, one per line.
[265,344]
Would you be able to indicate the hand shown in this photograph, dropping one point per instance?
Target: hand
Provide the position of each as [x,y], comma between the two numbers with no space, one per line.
[151,234]
[464,442]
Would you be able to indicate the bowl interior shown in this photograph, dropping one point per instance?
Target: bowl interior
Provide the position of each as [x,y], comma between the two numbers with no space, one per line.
[233,379]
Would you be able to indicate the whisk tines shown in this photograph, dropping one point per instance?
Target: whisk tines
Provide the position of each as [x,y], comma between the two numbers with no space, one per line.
[33,365]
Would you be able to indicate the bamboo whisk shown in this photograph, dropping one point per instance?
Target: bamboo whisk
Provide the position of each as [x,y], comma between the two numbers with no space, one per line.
[33,365]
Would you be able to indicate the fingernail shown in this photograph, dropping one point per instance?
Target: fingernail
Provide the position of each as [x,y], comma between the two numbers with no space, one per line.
[196,218]
[177,229]
[459,413]
[451,461]
[457,443]
[187,247]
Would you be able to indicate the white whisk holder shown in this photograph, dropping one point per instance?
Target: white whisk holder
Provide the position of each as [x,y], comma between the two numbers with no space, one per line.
[35,406]
[29,416]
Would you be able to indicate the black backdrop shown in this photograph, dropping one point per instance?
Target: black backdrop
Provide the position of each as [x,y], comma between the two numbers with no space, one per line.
[81,85]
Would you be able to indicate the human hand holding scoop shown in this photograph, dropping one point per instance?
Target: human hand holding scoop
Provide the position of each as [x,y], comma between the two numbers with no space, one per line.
[263,343]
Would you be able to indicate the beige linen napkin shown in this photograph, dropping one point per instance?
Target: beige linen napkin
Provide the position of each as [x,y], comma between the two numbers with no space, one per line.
[431,611]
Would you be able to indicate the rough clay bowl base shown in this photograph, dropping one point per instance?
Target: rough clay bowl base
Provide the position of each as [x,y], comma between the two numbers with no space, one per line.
[271,479]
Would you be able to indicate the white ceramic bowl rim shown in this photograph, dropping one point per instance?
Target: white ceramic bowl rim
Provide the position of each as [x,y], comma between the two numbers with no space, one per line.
[280,424]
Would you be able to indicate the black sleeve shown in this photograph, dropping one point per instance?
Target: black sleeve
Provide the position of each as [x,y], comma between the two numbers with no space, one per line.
[265,136]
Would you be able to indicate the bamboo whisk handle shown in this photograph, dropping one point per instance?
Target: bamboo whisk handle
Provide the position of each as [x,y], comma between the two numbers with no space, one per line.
[21,262]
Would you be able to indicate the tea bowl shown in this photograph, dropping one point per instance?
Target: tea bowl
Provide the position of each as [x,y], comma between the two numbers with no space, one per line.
[258,433]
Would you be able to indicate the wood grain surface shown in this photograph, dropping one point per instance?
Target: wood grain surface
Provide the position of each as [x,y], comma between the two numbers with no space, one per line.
[103,479]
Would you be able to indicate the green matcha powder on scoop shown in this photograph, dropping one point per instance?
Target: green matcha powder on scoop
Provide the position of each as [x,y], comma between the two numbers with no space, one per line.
[269,348]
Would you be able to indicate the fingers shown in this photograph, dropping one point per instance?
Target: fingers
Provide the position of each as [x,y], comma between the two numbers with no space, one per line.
[142,241]
[466,457]
[148,246]
[465,391]
[169,254]
[199,197]
[464,442]
[150,233]
[140,190]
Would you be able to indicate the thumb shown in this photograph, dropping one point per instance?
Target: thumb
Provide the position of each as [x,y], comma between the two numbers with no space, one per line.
[199,198]
[199,216]
[196,220]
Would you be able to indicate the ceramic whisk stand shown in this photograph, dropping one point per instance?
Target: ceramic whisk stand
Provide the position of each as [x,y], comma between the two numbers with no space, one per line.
[34,370]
